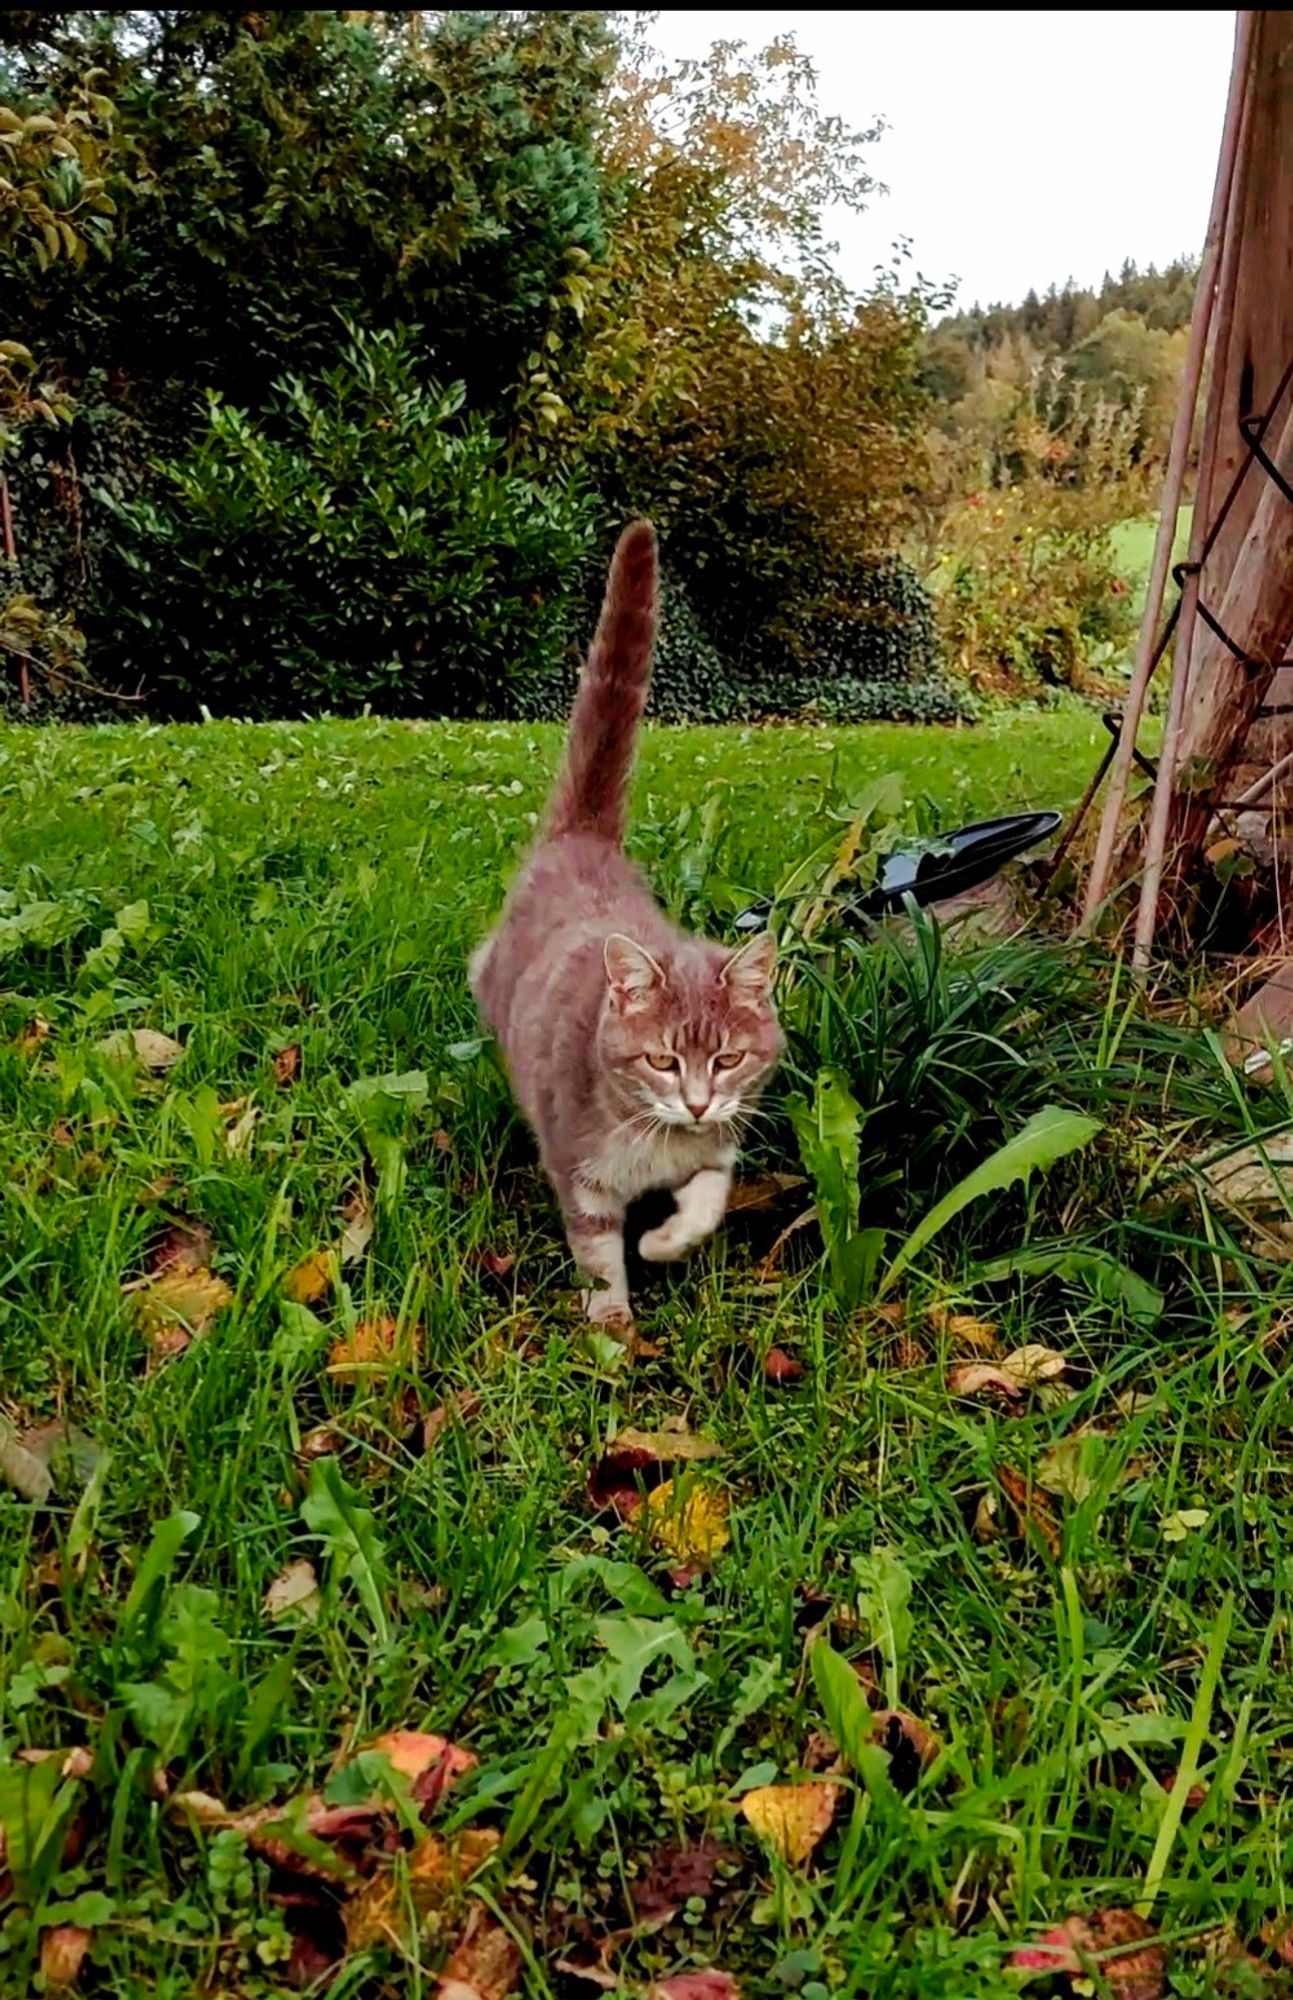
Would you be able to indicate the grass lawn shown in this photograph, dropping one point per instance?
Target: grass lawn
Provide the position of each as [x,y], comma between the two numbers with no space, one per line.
[1075,1577]
[1133,543]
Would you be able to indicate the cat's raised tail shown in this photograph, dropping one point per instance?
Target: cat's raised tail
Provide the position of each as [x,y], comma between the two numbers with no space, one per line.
[592,790]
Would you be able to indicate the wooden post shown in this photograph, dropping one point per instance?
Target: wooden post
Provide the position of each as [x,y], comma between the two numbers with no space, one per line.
[1147,653]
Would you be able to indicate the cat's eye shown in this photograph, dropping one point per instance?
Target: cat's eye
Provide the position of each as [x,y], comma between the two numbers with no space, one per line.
[729,1059]
[663,1061]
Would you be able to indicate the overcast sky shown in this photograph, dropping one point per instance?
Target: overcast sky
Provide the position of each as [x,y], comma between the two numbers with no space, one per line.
[1023,148]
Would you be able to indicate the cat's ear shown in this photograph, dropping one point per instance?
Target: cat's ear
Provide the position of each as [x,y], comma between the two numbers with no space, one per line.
[632,971]
[748,972]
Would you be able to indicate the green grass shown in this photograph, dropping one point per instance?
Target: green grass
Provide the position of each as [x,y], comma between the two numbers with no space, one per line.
[317,887]
[1133,545]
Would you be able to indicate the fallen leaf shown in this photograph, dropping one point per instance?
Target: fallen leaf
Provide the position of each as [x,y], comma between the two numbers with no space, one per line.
[394,1907]
[65,1452]
[238,1133]
[679,1873]
[689,1524]
[911,1746]
[275,1832]
[22,1469]
[792,1819]
[155,1051]
[496,1263]
[767,1269]
[321,1442]
[461,1406]
[709,1985]
[666,1445]
[184,1245]
[764,1192]
[778,1366]
[179,1306]
[1031,1508]
[982,1378]
[286,1064]
[441,1140]
[376,1344]
[311,1279]
[430,1763]
[360,1221]
[62,1953]
[614,1484]
[1011,1376]
[1078,1464]
[485,1964]
[1196,1796]
[1082,1946]
[77,1762]
[294,1593]
[981,1336]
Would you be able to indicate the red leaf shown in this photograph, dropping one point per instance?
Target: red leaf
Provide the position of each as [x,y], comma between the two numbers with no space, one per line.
[676,1875]
[613,1483]
[778,1366]
[711,1985]
[1081,1946]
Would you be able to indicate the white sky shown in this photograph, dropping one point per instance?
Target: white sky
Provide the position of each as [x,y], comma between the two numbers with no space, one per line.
[1022,148]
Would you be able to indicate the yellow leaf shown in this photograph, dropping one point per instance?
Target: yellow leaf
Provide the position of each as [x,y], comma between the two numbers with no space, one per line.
[376,1344]
[238,1133]
[792,1819]
[666,1444]
[180,1300]
[312,1278]
[395,1905]
[689,1523]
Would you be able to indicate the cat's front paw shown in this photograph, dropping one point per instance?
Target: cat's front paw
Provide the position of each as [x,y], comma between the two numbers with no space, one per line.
[603,1308]
[665,1244]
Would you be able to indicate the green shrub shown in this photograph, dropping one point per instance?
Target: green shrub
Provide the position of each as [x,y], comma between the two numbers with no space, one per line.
[363,542]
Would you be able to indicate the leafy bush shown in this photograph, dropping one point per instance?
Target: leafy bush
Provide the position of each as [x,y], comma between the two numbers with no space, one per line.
[363,542]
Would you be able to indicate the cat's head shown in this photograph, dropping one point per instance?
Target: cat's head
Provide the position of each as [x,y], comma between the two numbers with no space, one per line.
[692,1041]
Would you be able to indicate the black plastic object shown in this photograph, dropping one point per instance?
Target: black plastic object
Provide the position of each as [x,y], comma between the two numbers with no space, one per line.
[932,873]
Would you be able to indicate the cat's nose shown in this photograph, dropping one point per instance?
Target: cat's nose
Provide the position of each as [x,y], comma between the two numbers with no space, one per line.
[698,1110]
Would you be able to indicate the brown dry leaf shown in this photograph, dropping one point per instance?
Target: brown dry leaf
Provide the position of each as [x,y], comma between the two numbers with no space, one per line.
[497,1263]
[708,1985]
[361,1221]
[911,1746]
[765,1191]
[441,1140]
[286,1064]
[424,1894]
[294,1593]
[485,1964]
[237,1137]
[981,1336]
[1081,1946]
[1011,1376]
[350,1831]
[311,1279]
[769,1266]
[982,1378]
[179,1306]
[321,1442]
[62,1953]
[462,1405]
[792,1818]
[778,1366]
[689,1524]
[155,1051]
[376,1345]
[1031,1508]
